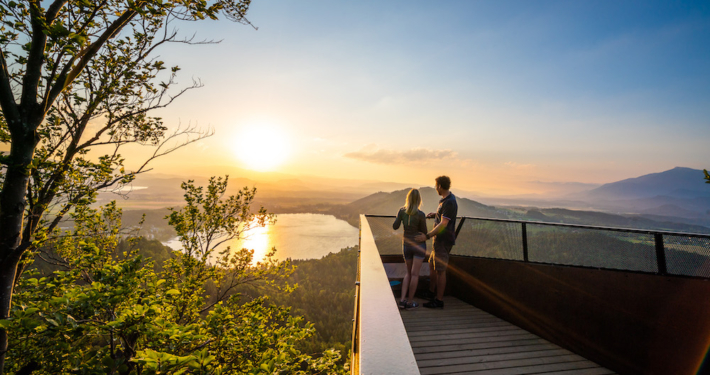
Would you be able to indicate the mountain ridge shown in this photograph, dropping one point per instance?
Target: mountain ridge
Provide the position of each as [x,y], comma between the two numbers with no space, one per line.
[679,182]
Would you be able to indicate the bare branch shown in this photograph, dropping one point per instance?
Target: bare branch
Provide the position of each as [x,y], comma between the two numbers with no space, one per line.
[161,151]
[53,10]
[93,140]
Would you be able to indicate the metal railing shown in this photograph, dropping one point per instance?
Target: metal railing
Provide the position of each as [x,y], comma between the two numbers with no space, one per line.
[635,250]
[616,296]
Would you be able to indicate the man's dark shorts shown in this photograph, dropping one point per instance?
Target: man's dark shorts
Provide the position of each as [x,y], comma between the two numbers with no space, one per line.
[440,256]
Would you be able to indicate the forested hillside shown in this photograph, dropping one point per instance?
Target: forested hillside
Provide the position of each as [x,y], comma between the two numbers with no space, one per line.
[325,296]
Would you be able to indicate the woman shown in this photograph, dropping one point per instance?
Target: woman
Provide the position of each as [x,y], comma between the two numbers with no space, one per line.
[414,252]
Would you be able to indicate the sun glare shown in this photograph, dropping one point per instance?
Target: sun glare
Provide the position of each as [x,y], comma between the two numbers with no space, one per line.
[262,147]
[258,239]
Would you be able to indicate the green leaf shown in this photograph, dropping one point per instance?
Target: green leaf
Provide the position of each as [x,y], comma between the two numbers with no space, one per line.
[31,310]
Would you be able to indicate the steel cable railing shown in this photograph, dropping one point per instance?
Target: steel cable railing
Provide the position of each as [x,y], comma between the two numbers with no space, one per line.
[635,250]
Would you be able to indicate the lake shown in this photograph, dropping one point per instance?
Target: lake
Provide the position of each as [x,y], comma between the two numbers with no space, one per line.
[297,236]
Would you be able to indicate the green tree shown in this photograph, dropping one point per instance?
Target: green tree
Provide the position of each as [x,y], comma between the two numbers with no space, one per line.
[707,176]
[75,75]
[111,313]
[325,297]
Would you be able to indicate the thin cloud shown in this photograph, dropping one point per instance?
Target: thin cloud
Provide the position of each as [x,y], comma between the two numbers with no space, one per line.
[415,155]
[517,166]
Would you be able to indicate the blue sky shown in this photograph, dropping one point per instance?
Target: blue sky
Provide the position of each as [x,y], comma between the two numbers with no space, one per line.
[492,93]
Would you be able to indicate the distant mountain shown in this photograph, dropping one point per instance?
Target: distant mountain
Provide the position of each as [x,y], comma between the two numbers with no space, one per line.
[653,222]
[679,182]
[389,203]
[679,192]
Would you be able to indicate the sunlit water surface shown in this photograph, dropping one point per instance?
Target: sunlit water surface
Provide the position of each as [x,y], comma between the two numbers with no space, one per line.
[296,236]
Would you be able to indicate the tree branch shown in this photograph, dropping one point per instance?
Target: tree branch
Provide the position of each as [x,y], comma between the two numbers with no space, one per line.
[53,10]
[69,74]
[7,98]
[35,60]
[88,20]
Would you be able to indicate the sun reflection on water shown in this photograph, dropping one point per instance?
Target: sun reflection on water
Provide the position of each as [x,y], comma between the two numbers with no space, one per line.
[295,236]
[257,239]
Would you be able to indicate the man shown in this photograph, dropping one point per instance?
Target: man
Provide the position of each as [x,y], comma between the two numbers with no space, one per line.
[444,234]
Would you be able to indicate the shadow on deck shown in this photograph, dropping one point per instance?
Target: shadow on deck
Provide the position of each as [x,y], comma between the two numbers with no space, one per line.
[464,339]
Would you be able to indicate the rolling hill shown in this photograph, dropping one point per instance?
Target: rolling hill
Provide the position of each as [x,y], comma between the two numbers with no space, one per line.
[389,203]
[383,203]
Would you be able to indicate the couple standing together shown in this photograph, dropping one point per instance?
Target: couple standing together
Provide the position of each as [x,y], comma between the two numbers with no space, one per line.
[414,243]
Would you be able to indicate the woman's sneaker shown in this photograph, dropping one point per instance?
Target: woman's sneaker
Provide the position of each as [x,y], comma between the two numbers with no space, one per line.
[412,305]
[434,304]
[402,304]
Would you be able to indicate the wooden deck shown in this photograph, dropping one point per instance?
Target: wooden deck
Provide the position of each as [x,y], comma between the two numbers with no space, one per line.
[461,339]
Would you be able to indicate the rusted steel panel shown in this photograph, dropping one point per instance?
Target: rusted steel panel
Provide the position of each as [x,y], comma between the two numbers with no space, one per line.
[629,322]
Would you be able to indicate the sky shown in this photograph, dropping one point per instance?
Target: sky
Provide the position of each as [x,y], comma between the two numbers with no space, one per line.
[494,94]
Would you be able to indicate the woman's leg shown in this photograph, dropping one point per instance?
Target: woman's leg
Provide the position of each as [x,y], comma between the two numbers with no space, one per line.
[407,277]
[414,277]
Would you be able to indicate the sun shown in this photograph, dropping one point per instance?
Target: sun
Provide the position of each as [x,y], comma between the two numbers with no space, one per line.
[262,147]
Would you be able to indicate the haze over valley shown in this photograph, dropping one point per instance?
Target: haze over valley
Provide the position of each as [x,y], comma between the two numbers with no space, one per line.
[673,200]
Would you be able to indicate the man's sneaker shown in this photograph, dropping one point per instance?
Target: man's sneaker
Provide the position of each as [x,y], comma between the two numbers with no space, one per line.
[402,304]
[434,304]
[412,305]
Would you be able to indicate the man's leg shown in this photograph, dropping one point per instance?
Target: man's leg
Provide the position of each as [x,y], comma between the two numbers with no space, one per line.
[438,277]
[442,256]
[433,279]
[441,263]
[440,284]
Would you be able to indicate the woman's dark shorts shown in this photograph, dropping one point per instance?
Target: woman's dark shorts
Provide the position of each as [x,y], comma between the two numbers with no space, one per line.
[414,250]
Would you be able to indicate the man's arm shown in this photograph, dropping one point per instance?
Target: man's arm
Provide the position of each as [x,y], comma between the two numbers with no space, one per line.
[437,229]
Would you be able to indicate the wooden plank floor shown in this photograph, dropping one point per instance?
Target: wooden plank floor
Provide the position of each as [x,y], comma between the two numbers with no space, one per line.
[461,339]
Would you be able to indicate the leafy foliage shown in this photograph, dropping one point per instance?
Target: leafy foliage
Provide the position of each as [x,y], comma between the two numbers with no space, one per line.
[79,76]
[324,296]
[112,312]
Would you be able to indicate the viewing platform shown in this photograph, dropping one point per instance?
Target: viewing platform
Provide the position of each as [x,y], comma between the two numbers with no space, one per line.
[464,339]
[539,298]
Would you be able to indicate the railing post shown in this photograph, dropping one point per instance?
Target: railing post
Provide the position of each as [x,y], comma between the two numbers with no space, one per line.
[458,229]
[525,241]
[660,254]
